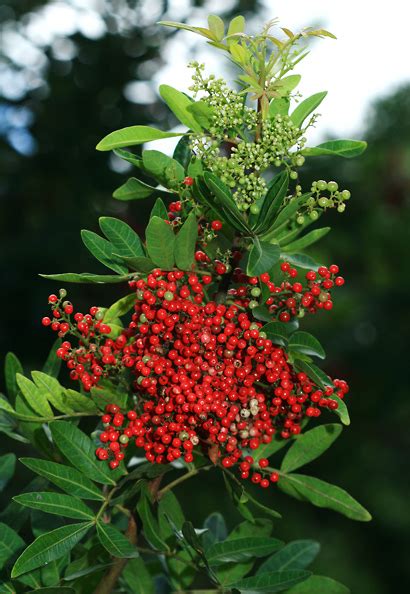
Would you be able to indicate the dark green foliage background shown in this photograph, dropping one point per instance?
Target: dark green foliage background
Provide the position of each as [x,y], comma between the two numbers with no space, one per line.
[47,198]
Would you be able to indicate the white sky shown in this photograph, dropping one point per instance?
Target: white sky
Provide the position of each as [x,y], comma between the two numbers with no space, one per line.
[369,59]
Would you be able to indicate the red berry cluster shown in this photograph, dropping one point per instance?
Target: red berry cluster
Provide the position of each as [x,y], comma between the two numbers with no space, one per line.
[205,375]
[290,298]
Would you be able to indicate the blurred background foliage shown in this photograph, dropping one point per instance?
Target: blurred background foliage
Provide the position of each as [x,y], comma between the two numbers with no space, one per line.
[64,84]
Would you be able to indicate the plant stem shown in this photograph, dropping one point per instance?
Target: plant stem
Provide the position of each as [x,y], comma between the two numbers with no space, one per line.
[181,479]
[109,580]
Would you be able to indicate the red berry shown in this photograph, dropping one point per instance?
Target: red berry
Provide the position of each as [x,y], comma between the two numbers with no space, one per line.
[189,181]
[216,225]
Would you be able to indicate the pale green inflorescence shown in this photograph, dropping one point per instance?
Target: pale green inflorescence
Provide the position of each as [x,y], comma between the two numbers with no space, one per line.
[232,150]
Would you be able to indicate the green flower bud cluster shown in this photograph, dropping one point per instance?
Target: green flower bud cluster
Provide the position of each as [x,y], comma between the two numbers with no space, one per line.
[230,115]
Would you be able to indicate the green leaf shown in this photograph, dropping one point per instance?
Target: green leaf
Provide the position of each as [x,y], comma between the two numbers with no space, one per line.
[163,168]
[224,197]
[87,278]
[278,332]
[34,396]
[306,240]
[306,107]
[134,189]
[185,243]
[271,582]
[265,450]
[287,84]
[103,396]
[49,546]
[115,542]
[301,260]
[216,26]
[78,448]
[303,342]
[128,156]
[199,30]
[6,587]
[203,113]
[262,257]
[131,136]
[138,577]
[52,390]
[51,590]
[272,201]
[102,250]
[298,554]
[309,446]
[264,508]
[67,478]
[289,210]
[139,264]
[216,529]
[150,523]
[124,239]
[6,406]
[339,148]
[160,240]
[341,411]
[237,25]
[79,402]
[56,503]
[322,494]
[10,543]
[120,308]
[241,549]
[159,210]
[7,467]
[279,106]
[52,365]
[178,103]
[170,516]
[183,152]
[316,584]
[314,373]
[12,367]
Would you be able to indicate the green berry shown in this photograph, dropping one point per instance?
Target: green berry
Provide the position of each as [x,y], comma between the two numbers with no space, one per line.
[321,185]
[332,186]
[323,202]
[299,161]
[300,220]
[124,439]
[253,304]
[346,195]
[314,215]
[341,208]
[254,209]
[255,292]
[253,326]
[168,296]
[62,293]
[293,175]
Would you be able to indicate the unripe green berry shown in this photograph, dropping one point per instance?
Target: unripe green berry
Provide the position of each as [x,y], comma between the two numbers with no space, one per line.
[62,293]
[332,186]
[255,292]
[346,195]
[300,220]
[254,209]
[168,296]
[323,202]
[253,326]
[321,184]
[124,439]
[314,215]
[341,208]
[253,304]
[299,161]
[293,175]
[99,315]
